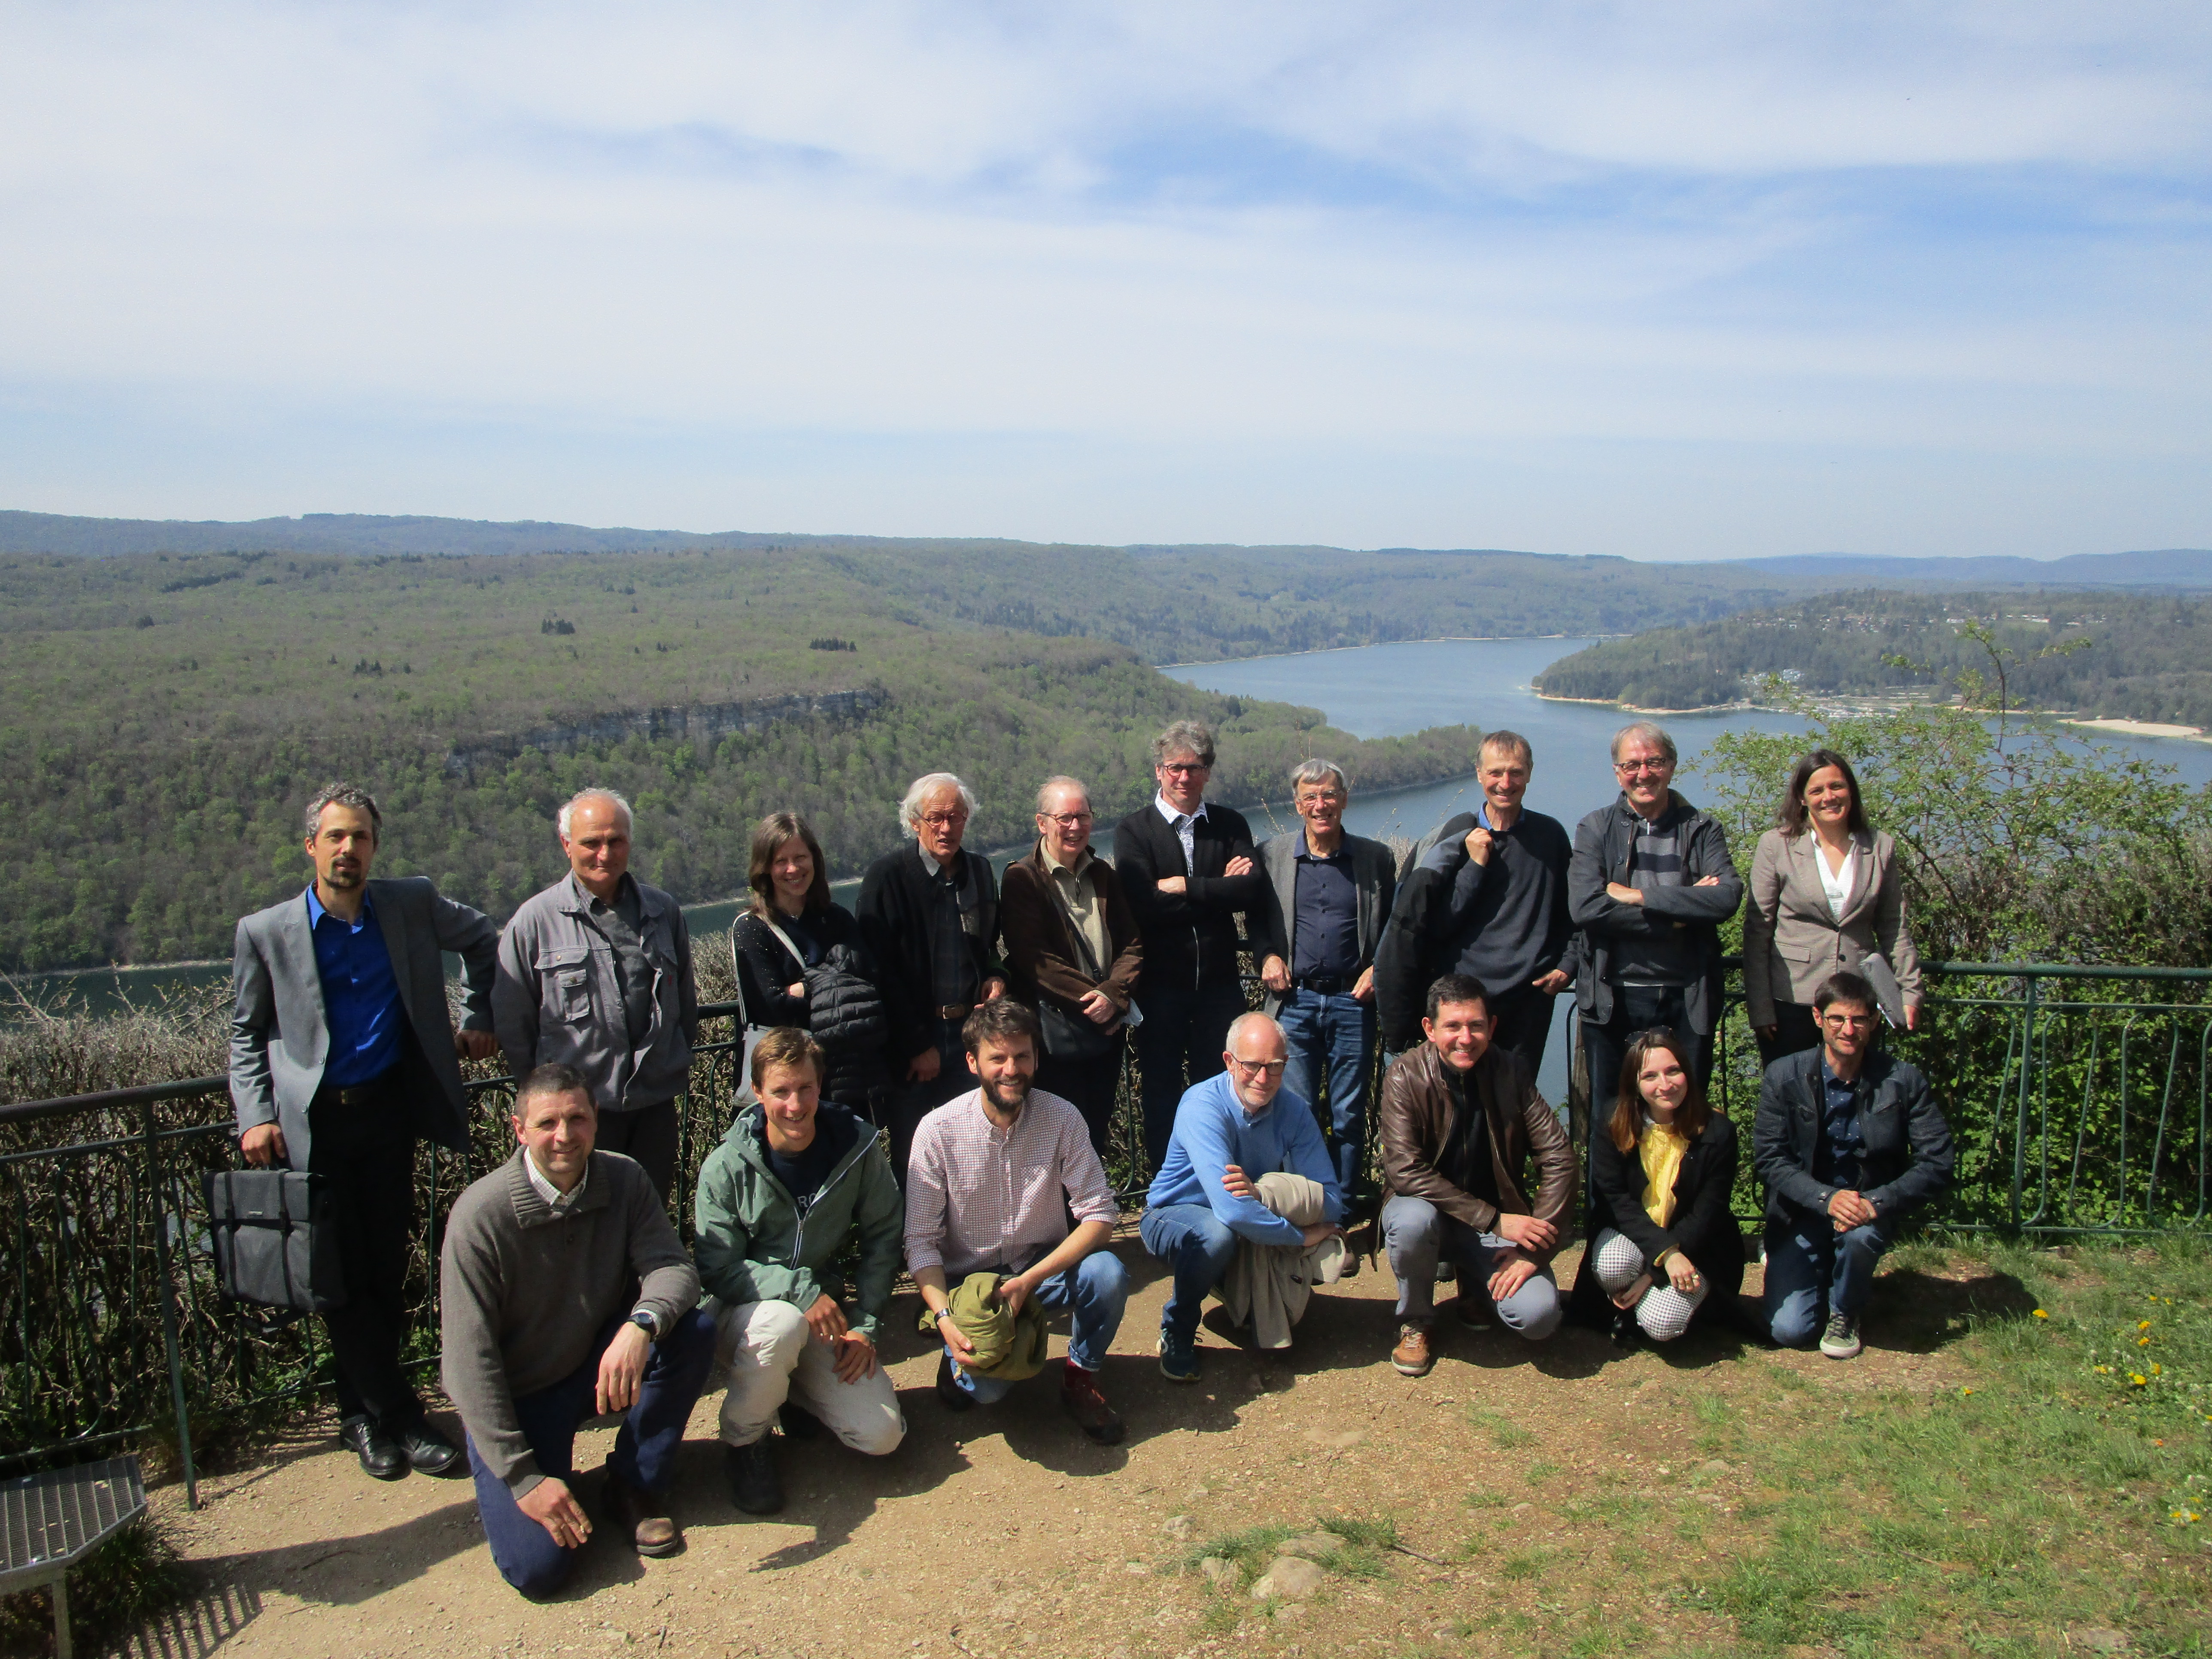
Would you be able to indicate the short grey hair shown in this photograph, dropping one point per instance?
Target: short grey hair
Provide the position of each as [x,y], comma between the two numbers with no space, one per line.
[1650,732]
[1320,771]
[1045,789]
[1502,739]
[343,794]
[1191,737]
[569,809]
[919,792]
[1252,1021]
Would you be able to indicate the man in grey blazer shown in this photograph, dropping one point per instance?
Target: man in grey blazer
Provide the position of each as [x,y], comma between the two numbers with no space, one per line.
[1329,895]
[341,1053]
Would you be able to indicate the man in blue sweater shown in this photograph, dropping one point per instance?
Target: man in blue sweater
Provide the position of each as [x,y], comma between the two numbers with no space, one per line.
[1230,1130]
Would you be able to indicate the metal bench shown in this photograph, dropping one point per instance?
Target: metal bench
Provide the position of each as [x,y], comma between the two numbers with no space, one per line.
[50,1521]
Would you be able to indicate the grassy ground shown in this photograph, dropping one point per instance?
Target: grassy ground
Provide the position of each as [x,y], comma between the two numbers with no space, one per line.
[2050,1494]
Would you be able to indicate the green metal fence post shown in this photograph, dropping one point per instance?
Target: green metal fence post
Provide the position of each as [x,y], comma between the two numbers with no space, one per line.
[2026,1067]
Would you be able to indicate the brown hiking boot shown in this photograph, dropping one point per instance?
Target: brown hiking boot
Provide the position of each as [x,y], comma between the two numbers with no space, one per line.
[1411,1356]
[1079,1396]
[642,1516]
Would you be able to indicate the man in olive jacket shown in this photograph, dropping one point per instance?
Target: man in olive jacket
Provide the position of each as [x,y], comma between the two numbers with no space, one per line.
[1848,1141]
[794,1180]
[1460,1119]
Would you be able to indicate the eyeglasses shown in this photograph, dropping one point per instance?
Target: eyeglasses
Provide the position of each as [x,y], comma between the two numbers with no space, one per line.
[1848,1022]
[1632,768]
[1254,1067]
[1066,820]
[944,820]
[1185,767]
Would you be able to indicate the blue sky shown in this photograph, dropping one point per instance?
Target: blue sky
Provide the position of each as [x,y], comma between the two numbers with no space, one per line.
[1694,281]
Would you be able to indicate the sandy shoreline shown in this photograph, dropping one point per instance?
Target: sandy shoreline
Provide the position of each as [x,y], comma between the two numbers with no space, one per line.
[2139,728]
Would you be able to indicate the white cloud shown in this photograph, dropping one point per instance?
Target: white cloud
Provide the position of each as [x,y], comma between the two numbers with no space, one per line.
[1967,230]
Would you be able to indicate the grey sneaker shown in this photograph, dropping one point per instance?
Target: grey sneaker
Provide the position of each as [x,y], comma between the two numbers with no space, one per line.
[1841,1340]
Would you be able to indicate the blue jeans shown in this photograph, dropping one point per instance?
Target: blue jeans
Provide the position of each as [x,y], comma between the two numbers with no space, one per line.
[1096,1288]
[645,1450]
[1415,1233]
[1333,1036]
[1199,1246]
[1810,1264]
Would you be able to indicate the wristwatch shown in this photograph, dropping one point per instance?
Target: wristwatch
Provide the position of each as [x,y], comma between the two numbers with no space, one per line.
[943,1314]
[644,1320]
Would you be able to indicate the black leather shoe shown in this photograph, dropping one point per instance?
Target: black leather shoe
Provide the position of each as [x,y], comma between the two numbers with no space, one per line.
[427,1451]
[380,1454]
[1625,1332]
[755,1486]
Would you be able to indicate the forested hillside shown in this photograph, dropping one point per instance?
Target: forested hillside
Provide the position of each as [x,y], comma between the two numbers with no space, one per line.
[2132,657]
[166,717]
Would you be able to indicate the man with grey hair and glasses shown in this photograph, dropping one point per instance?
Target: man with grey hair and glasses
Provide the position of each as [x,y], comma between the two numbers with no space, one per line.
[341,1053]
[929,912]
[595,974]
[1329,896]
[1650,884]
[1187,864]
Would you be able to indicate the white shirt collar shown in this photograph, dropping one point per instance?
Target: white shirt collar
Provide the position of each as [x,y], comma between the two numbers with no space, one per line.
[555,1199]
[1171,813]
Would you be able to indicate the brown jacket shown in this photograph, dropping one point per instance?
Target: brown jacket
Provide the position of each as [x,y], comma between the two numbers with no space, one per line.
[1040,940]
[1416,1124]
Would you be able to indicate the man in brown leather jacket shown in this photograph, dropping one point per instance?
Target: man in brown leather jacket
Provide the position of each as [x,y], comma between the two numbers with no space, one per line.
[1460,1120]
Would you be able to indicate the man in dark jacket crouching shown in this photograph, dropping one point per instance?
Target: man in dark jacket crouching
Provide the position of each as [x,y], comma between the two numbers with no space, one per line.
[1850,1142]
[566,1295]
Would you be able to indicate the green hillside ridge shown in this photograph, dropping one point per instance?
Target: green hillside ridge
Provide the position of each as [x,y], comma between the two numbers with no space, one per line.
[168,716]
[2134,656]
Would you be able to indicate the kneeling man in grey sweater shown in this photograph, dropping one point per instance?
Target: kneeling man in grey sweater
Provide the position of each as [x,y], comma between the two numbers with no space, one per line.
[567,1294]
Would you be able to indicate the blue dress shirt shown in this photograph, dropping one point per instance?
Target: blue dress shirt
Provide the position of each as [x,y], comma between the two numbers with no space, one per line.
[360,996]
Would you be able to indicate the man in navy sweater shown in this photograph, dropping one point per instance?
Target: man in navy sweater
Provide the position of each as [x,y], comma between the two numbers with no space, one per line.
[1487,900]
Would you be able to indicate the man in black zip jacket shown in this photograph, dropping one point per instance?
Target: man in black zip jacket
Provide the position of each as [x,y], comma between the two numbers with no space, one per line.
[1186,866]
[1848,1141]
[929,913]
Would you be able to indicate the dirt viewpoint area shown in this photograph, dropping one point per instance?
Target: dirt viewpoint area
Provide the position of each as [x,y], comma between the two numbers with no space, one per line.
[1560,1500]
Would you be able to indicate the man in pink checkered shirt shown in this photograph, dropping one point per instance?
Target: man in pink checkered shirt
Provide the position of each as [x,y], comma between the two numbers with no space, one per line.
[994,1175]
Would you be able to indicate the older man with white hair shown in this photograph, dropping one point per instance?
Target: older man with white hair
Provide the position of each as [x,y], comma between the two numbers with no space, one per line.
[1230,1130]
[595,974]
[929,912]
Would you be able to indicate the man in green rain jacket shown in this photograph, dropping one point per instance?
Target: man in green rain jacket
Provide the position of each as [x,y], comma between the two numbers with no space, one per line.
[793,1179]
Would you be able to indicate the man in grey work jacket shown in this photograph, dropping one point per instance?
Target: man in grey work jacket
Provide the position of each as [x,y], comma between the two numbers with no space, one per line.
[1329,894]
[595,974]
[341,1053]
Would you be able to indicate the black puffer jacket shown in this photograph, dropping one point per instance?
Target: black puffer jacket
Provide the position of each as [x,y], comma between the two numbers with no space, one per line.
[851,1042]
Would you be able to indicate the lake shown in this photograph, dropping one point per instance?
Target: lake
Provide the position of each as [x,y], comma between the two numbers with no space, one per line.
[1382,690]
[1388,690]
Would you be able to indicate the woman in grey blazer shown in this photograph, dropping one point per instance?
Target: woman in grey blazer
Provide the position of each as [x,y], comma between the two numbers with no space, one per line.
[1825,896]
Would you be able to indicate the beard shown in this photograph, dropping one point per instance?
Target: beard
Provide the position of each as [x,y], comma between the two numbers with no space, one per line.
[1009,1094]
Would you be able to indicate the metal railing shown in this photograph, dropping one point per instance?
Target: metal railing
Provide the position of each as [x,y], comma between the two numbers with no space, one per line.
[2078,1097]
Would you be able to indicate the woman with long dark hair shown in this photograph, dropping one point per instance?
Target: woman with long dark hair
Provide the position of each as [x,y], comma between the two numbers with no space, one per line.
[1825,896]
[1664,1244]
[801,962]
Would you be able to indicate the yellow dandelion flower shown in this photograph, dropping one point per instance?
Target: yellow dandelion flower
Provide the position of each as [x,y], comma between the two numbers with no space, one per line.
[2142,1342]
[2143,1324]
[2157,1370]
[2139,1379]
[2039,1313]
[1965,1391]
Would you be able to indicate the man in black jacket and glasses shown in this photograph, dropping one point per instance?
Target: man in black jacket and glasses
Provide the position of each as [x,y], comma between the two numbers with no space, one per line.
[1186,866]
